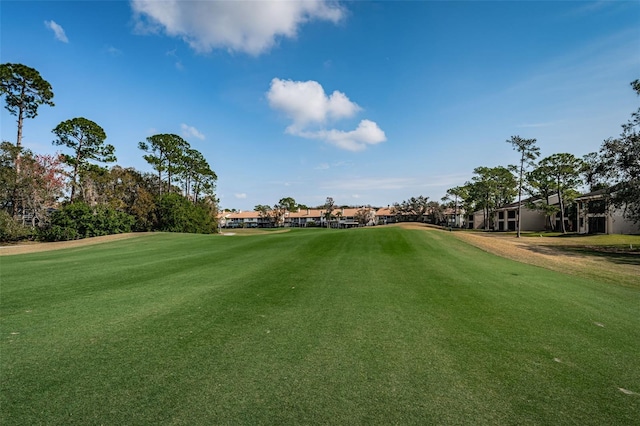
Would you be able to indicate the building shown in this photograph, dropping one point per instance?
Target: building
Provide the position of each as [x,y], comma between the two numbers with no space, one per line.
[302,218]
[596,215]
[385,215]
[532,219]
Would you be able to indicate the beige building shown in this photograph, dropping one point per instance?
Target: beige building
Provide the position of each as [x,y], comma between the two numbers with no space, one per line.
[505,217]
[597,216]
[302,218]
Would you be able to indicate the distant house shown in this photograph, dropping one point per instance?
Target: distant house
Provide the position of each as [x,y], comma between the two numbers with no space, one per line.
[454,217]
[302,218]
[385,215]
[596,215]
[245,219]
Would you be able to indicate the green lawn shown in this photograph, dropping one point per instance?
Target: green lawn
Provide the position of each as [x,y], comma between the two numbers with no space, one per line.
[365,326]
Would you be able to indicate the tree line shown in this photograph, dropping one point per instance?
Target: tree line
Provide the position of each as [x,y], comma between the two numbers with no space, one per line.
[75,194]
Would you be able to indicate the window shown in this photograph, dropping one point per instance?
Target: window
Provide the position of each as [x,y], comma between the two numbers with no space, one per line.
[512,214]
[596,206]
[500,215]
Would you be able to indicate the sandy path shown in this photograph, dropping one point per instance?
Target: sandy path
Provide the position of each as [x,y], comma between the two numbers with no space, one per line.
[33,247]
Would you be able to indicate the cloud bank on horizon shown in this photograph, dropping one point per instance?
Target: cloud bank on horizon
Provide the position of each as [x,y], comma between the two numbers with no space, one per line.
[310,109]
[238,26]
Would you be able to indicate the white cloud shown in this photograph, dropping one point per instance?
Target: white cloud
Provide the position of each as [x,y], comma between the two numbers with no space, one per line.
[191,132]
[305,102]
[308,106]
[113,51]
[178,64]
[367,133]
[58,31]
[244,26]
[240,196]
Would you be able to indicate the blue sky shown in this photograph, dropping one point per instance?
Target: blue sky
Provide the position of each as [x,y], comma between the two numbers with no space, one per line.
[366,102]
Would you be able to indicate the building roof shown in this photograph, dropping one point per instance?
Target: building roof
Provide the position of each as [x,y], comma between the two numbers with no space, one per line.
[595,194]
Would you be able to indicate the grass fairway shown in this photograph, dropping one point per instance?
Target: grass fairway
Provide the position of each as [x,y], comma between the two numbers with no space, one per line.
[366,326]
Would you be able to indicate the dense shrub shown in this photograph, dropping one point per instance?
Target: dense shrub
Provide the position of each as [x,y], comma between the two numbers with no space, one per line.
[175,213]
[78,220]
[12,230]
[109,221]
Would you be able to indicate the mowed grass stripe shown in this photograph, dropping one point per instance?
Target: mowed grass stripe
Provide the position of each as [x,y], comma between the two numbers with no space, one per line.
[365,326]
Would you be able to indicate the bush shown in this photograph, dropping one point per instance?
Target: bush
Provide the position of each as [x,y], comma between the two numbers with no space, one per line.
[175,213]
[12,230]
[108,221]
[58,233]
[78,220]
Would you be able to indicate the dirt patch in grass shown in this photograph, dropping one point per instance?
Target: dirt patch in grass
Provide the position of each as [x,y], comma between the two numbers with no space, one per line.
[572,255]
[35,247]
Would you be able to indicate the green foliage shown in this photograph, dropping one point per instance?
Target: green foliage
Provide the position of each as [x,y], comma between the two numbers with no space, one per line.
[528,153]
[262,209]
[86,140]
[455,198]
[73,221]
[11,230]
[540,184]
[8,176]
[288,204]
[164,154]
[174,213]
[489,189]
[184,166]
[563,172]
[24,91]
[108,221]
[619,165]
[196,174]
[412,210]
[329,206]
[78,220]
